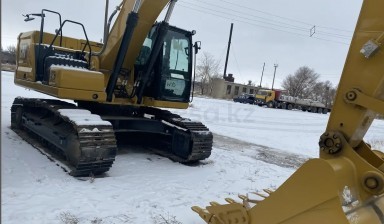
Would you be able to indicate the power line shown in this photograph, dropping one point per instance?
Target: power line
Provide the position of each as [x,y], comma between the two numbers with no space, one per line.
[294,20]
[248,14]
[270,21]
[273,23]
[209,11]
[263,12]
[232,19]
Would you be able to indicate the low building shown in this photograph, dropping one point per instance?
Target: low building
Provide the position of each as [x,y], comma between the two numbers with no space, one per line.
[223,89]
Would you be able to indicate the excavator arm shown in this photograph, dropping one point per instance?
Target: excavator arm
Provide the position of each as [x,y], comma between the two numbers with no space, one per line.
[346,184]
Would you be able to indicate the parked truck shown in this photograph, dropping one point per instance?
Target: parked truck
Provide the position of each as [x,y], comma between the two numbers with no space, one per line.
[278,99]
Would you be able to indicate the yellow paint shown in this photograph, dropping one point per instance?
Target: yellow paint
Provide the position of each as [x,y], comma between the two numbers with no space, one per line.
[68,78]
[63,93]
[165,104]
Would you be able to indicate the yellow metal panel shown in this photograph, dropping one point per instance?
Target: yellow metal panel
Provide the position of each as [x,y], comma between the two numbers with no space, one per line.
[72,94]
[81,95]
[73,78]
[26,56]
[165,104]
[364,74]
[24,73]
[37,86]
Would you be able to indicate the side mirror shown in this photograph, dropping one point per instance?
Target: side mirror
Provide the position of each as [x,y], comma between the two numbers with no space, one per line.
[27,18]
[197,46]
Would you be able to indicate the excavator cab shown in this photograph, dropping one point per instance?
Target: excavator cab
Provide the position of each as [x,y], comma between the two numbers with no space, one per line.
[173,66]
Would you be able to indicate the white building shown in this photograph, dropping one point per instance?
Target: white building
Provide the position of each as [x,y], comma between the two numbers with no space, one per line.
[228,90]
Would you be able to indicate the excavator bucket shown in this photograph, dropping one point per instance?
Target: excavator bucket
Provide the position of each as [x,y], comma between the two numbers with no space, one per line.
[346,184]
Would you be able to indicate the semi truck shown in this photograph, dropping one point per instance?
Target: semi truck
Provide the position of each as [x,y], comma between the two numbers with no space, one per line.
[279,99]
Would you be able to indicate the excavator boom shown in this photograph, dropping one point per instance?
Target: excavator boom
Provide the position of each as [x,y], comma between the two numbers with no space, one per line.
[346,184]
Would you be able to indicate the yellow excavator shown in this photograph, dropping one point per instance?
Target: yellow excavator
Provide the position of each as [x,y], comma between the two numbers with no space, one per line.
[346,184]
[118,87]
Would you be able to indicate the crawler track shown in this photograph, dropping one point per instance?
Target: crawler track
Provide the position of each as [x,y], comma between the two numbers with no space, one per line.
[195,137]
[86,142]
[167,134]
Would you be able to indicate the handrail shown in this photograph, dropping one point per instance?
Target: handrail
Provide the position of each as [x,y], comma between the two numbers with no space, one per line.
[86,37]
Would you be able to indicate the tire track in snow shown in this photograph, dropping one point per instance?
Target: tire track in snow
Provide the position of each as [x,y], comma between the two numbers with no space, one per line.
[260,152]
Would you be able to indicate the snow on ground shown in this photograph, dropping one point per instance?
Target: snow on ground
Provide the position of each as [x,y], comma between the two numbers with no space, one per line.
[254,148]
[291,131]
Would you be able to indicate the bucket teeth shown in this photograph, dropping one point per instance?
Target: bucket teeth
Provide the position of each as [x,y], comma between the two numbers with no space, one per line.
[268,191]
[203,213]
[243,197]
[230,200]
[254,201]
[261,195]
[224,214]
[233,212]
[246,199]
[197,209]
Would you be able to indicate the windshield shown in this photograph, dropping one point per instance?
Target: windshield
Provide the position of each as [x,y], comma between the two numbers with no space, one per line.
[176,65]
[173,69]
[262,92]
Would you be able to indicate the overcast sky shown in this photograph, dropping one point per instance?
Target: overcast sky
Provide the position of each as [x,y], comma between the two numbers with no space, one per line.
[270,31]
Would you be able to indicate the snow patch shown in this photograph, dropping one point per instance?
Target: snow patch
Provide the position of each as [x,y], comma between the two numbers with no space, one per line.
[74,69]
[82,117]
[141,185]
[83,130]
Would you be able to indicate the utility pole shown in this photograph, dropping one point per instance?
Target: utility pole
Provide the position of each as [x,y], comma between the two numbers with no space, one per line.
[274,74]
[229,46]
[262,73]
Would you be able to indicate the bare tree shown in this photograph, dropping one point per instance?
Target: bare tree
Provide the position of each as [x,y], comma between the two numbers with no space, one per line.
[8,56]
[301,83]
[304,84]
[323,92]
[12,49]
[207,68]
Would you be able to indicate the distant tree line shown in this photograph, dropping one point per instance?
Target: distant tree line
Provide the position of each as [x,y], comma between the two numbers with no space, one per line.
[305,84]
[8,56]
